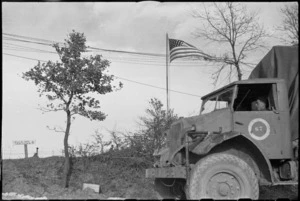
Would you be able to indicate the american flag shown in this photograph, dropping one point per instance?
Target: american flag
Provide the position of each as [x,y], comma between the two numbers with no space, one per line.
[179,49]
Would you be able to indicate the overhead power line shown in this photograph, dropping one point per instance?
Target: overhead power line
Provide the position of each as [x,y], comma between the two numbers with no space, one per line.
[142,58]
[128,52]
[116,77]
[27,41]
[31,38]
[114,59]
[131,60]
[149,56]
[24,57]
[157,87]
[49,43]
[21,47]
[27,50]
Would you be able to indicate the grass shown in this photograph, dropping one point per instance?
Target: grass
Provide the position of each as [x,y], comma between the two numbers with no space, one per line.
[117,177]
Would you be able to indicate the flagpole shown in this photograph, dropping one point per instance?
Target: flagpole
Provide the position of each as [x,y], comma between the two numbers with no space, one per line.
[167,72]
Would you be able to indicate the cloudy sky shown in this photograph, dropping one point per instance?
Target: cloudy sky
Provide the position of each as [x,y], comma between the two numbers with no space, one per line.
[133,27]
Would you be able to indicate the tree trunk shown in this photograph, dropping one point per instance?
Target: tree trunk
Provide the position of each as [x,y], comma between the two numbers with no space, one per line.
[102,148]
[66,147]
[239,73]
[236,62]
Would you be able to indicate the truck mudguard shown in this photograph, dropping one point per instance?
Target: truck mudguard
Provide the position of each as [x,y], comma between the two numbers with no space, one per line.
[212,140]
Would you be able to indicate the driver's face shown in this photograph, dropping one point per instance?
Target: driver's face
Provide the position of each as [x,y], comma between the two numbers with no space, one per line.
[260,105]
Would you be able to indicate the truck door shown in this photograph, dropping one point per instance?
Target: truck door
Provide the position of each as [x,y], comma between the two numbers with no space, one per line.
[257,117]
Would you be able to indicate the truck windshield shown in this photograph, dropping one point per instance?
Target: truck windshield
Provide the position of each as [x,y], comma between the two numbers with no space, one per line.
[219,101]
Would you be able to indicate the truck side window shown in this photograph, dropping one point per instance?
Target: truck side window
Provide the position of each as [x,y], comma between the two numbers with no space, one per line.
[217,102]
[224,100]
[254,97]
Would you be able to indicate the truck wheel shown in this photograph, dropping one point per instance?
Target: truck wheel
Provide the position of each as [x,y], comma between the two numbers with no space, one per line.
[222,176]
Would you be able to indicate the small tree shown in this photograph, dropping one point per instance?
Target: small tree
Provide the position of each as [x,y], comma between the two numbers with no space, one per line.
[155,123]
[69,85]
[231,25]
[290,24]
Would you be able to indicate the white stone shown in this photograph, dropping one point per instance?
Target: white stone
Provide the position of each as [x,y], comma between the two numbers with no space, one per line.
[12,194]
[41,198]
[22,196]
[27,197]
[94,187]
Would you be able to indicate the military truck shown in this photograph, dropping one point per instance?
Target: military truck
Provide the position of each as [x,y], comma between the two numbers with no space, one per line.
[232,148]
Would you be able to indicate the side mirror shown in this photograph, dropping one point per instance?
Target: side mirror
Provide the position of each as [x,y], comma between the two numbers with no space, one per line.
[274,110]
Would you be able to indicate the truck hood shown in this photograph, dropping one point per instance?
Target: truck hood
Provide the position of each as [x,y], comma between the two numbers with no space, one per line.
[211,122]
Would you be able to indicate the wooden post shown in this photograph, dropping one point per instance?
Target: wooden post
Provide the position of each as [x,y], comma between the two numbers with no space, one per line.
[26,150]
[25,143]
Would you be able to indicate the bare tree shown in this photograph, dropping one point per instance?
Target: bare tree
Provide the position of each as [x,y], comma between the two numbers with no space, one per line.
[290,24]
[231,25]
[116,138]
[99,142]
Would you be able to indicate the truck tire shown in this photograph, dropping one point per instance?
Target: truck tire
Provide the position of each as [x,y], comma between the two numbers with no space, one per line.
[222,176]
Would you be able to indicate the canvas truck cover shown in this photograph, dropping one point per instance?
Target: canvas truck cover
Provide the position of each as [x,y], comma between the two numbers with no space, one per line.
[282,62]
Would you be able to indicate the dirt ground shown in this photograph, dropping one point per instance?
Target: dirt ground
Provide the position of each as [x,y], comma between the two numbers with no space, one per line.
[42,178]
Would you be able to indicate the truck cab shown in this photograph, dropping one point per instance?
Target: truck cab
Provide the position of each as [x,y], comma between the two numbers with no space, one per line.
[240,140]
[268,128]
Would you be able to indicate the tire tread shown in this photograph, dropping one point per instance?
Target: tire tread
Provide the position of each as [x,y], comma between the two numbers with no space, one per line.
[206,162]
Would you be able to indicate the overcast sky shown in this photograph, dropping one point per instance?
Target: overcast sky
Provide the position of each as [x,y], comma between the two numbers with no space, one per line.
[137,27]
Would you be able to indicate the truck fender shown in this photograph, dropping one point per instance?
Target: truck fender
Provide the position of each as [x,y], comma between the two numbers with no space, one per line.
[204,146]
[211,141]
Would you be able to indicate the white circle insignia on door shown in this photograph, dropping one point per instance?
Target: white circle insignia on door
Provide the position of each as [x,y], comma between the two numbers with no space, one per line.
[259,129]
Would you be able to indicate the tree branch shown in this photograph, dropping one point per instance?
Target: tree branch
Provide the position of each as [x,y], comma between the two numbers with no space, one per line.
[231,24]
[43,109]
[217,74]
[226,22]
[60,130]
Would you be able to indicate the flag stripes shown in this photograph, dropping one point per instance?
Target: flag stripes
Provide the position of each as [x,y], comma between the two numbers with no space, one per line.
[179,49]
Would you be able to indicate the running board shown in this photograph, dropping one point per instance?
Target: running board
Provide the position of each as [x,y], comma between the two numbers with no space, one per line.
[285,183]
